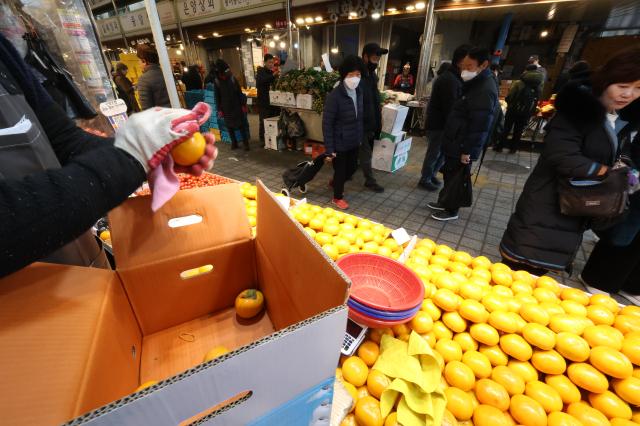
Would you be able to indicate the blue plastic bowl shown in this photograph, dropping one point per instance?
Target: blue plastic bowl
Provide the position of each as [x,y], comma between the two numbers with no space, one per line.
[382,315]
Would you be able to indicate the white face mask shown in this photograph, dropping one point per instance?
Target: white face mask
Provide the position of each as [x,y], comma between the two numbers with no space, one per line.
[468,75]
[352,82]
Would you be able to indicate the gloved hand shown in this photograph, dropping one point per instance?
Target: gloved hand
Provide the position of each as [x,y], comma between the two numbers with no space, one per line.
[150,136]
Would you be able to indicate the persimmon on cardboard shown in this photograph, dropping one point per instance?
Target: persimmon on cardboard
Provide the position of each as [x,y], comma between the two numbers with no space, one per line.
[74,339]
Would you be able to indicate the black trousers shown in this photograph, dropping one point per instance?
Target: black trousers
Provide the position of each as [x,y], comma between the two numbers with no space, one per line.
[232,135]
[613,268]
[516,121]
[345,165]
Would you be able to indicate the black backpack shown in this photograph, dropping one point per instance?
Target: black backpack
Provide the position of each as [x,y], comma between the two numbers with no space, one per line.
[526,101]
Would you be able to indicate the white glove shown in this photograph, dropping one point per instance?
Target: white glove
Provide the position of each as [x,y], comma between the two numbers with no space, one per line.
[150,135]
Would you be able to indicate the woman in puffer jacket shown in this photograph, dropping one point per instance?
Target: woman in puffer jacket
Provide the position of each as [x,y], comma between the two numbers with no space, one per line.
[581,142]
[343,126]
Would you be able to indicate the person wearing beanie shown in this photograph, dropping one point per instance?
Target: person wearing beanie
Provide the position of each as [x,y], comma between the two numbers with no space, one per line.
[343,126]
[232,104]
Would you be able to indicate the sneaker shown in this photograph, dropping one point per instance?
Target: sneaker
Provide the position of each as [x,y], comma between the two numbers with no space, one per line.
[436,181]
[590,289]
[633,298]
[374,187]
[433,205]
[340,203]
[429,186]
[444,216]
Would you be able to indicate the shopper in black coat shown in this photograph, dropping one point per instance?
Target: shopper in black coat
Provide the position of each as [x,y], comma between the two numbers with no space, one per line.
[447,88]
[343,126]
[192,78]
[467,130]
[580,143]
[265,77]
[232,103]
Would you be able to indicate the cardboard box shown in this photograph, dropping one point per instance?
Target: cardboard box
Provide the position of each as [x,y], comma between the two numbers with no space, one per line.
[271,126]
[274,96]
[304,101]
[393,117]
[287,99]
[270,141]
[393,138]
[389,156]
[75,339]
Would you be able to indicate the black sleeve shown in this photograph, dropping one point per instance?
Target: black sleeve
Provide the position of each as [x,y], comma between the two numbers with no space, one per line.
[265,78]
[67,139]
[449,94]
[44,211]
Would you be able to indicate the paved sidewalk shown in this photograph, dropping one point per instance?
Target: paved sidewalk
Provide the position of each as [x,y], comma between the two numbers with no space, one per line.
[478,230]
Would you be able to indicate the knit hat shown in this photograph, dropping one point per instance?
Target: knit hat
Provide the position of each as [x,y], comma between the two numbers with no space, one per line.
[349,64]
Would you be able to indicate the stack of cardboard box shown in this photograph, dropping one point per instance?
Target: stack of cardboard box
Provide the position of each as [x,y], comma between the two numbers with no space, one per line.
[271,133]
[391,151]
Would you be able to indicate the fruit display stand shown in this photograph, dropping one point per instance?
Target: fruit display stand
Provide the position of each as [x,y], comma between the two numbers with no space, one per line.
[511,348]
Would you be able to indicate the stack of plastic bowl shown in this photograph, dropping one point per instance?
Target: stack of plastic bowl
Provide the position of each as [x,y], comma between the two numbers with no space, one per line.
[383,292]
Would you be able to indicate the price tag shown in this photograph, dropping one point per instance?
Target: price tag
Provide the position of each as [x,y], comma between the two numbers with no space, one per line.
[115,111]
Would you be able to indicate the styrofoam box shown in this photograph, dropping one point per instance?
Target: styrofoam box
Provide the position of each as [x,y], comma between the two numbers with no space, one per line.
[389,156]
[274,96]
[304,101]
[271,126]
[288,99]
[393,117]
[270,142]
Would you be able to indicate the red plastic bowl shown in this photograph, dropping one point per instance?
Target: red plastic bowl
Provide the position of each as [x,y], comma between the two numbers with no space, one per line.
[372,322]
[382,283]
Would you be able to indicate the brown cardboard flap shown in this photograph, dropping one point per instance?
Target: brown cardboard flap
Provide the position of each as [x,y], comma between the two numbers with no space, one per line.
[140,236]
[162,299]
[51,318]
[297,279]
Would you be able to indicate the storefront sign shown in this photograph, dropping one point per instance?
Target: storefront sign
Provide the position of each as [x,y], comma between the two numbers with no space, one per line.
[192,9]
[108,27]
[135,21]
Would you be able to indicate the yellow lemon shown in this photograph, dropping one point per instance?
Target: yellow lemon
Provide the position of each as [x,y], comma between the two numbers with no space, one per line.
[511,381]
[546,396]
[478,363]
[454,321]
[459,375]
[466,342]
[485,334]
[548,362]
[568,392]
[588,378]
[572,347]
[494,354]
[459,403]
[515,346]
[538,335]
[527,411]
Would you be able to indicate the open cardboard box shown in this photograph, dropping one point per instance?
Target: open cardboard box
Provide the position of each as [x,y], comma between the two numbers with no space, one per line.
[73,339]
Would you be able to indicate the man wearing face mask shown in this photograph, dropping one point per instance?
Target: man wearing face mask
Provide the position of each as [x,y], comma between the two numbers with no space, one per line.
[372,113]
[465,133]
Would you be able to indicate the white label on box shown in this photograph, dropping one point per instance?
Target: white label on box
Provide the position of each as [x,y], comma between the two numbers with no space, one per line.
[400,235]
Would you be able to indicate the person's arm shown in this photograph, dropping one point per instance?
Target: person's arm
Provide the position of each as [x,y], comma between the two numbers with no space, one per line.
[67,139]
[145,93]
[481,113]
[563,151]
[265,77]
[448,95]
[44,211]
[329,115]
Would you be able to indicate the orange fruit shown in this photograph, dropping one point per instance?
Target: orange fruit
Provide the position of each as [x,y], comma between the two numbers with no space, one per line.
[145,385]
[610,405]
[492,393]
[575,294]
[631,310]
[473,311]
[368,412]
[459,403]
[376,383]
[574,308]
[549,283]
[466,342]
[353,392]
[568,323]
[611,362]
[631,348]
[572,347]
[566,389]
[628,389]
[558,418]
[545,395]
[534,313]
[511,381]
[606,301]
[349,420]
[454,322]
[515,346]
[627,323]
[355,371]
[603,335]
[459,375]
[503,321]
[487,415]
[392,420]
[527,411]
[524,369]
[449,349]
[538,335]
[249,303]
[449,419]
[478,363]
[369,352]
[446,300]
[588,378]
[494,354]
[587,415]
[429,307]
[549,362]
[441,331]
[421,323]
[600,315]
[190,151]
[485,334]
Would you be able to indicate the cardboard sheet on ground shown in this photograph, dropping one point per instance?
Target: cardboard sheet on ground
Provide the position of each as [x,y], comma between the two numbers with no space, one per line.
[416,381]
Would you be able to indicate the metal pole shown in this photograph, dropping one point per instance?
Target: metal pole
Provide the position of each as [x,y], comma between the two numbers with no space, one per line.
[502,37]
[290,49]
[165,65]
[179,22]
[425,51]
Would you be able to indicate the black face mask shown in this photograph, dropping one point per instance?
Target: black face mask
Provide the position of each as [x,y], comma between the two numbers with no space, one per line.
[372,67]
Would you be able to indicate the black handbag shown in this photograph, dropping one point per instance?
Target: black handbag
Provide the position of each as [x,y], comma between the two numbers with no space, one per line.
[602,198]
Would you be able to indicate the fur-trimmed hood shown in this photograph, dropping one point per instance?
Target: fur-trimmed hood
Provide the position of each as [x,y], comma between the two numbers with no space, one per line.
[577,103]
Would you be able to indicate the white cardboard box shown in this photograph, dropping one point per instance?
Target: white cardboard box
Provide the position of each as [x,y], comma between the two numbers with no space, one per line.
[288,99]
[393,117]
[274,96]
[397,137]
[270,141]
[304,101]
[389,156]
[271,126]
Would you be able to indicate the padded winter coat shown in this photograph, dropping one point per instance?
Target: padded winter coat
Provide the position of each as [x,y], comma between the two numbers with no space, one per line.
[576,146]
[341,128]
[471,118]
